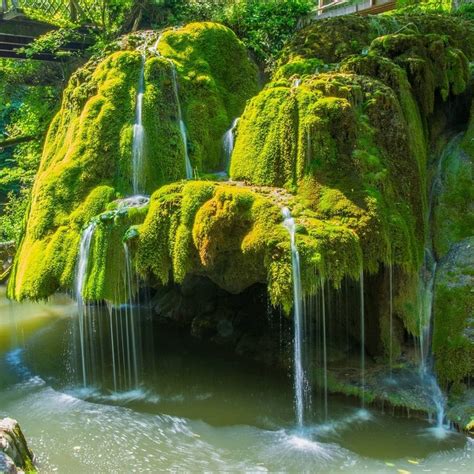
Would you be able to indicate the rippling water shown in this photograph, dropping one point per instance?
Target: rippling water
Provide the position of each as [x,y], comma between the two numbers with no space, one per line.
[198,410]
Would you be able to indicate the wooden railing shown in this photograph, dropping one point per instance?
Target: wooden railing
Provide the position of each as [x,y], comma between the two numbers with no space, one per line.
[73,10]
[331,8]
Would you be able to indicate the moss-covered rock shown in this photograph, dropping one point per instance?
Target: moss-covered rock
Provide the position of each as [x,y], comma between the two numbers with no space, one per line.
[228,233]
[15,455]
[453,336]
[453,196]
[87,157]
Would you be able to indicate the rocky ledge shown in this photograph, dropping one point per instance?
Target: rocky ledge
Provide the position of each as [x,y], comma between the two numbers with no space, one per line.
[15,456]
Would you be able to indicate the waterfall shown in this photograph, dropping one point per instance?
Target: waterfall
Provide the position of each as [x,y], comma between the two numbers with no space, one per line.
[132,316]
[299,375]
[425,309]
[228,143]
[138,135]
[182,126]
[362,336]
[81,275]
[296,83]
[425,298]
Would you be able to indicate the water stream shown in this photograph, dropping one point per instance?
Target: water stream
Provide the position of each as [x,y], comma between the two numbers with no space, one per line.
[138,148]
[299,374]
[425,299]
[84,321]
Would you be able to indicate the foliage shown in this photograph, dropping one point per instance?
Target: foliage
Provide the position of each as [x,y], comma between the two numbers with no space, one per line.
[13,215]
[430,6]
[29,97]
[53,42]
[263,25]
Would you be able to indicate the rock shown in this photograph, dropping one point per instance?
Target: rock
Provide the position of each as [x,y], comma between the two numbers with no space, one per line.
[15,456]
[7,466]
[7,252]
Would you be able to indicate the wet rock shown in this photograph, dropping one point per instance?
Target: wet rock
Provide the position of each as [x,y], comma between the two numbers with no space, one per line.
[15,456]
[7,252]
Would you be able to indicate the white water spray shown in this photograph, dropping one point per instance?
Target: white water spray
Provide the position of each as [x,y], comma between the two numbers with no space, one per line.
[300,379]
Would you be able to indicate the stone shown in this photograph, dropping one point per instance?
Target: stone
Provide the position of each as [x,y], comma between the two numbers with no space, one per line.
[15,456]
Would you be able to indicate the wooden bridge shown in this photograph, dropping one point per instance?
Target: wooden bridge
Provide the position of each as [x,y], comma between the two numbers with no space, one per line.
[19,28]
[331,8]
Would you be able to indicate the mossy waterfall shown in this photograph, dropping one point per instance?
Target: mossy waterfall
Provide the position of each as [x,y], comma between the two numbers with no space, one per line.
[265,263]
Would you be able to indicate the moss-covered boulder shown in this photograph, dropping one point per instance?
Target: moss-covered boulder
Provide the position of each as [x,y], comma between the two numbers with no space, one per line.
[453,337]
[347,124]
[15,456]
[87,158]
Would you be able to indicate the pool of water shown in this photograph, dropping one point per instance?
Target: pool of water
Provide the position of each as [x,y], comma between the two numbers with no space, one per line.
[195,409]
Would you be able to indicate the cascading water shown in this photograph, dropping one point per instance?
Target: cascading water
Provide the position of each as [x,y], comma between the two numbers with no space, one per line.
[228,143]
[81,275]
[425,298]
[299,374]
[138,135]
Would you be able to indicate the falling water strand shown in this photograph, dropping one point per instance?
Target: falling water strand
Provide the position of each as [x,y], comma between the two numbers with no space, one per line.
[112,345]
[138,134]
[81,275]
[426,287]
[228,143]
[362,336]
[299,382]
[325,355]
[132,313]
[390,309]
[182,126]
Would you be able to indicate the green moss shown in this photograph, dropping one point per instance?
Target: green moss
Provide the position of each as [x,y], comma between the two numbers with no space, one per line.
[228,233]
[107,262]
[432,65]
[453,216]
[87,157]
[334,39]
[453,346]
[341,141]
[215,79]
